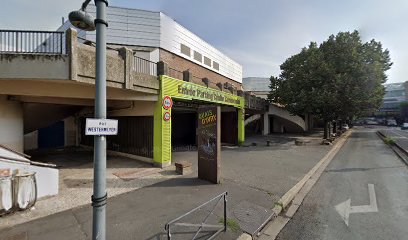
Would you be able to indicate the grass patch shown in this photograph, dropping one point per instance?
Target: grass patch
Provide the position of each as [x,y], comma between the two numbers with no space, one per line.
[231,224]
[276,204]
[389,140]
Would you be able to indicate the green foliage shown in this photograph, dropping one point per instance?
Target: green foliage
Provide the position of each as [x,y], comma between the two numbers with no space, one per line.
[389,141]
[274,93]
[341,78]
[231,224]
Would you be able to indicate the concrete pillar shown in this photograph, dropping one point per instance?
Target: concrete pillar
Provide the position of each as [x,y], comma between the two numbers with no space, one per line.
[162,68]
[161,135]
[128,58]
[266,124]
[187,76]
[71,41]
[241,126]
[11,124]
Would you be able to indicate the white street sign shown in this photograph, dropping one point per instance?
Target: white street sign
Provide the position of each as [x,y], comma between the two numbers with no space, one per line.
[345,208]
[101,126]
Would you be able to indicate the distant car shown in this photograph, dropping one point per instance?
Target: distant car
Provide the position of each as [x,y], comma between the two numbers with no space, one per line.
[371,122]
[344,126]
[392,123]
[404,126]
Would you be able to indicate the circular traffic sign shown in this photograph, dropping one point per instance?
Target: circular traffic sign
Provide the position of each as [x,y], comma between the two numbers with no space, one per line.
[166,116]
[167,102]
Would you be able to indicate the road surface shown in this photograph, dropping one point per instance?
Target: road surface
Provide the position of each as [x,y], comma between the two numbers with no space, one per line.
[363,194]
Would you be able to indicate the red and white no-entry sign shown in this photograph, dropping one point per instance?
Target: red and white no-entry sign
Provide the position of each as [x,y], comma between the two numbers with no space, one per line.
[167,102]
[166,116]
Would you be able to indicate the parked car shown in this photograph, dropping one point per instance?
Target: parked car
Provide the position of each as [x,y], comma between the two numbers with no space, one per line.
[344,126]
[392,123]
[404,126]
[371,122]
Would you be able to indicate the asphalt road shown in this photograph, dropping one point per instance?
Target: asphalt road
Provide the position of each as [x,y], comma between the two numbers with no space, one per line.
[364,162]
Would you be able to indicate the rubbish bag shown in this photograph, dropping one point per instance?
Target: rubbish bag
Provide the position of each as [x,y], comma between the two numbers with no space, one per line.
[6,194]
[25,190]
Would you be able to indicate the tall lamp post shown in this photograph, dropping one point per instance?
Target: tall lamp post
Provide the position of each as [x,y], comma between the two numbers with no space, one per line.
[82,20]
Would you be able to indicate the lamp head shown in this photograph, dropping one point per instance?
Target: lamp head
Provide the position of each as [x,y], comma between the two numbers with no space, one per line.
[82,20]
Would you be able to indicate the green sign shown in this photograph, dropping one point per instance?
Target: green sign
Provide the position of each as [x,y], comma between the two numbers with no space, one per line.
[179,89]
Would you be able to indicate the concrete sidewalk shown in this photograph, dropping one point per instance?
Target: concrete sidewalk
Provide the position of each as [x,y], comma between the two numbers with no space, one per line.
[255,178]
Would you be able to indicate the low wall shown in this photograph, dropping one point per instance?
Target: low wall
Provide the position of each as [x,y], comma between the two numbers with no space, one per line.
[47,178]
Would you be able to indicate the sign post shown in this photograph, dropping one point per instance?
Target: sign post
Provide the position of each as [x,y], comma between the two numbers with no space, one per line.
[209,143]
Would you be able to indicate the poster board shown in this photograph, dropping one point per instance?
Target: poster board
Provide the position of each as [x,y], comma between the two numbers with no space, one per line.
[209,143]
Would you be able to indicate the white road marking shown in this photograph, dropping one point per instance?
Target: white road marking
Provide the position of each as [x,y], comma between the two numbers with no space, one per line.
[345,208]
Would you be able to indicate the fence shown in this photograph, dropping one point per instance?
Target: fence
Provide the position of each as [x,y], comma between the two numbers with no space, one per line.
[15,41]
[141,65]
[200,227]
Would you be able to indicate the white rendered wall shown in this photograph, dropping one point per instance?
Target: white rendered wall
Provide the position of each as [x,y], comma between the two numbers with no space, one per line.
[11,124]
[173,34]
[47,178]
[137,27]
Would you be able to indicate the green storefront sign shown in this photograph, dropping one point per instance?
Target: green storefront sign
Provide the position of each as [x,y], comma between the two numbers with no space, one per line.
[181,90]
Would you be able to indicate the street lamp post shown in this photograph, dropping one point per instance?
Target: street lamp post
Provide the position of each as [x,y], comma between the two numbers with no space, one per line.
[85,21]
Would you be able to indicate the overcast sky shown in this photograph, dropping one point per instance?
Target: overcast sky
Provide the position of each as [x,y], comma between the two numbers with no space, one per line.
[258,34]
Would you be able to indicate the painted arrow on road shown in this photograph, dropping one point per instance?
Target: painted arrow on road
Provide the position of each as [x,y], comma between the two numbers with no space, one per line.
[345,208]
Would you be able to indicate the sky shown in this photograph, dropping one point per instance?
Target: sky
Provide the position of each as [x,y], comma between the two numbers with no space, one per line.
[258,34]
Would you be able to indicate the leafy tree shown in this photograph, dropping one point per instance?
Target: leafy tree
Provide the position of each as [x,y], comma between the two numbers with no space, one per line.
[273,95]
[339,79]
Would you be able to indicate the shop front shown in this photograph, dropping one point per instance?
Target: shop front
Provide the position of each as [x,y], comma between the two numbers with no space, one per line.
[175,116]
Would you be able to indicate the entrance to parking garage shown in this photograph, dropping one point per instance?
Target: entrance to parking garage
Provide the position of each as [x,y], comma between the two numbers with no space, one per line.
[184,126]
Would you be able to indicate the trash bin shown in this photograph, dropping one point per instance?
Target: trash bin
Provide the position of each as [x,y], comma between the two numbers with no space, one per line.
[25,190]
[6,194]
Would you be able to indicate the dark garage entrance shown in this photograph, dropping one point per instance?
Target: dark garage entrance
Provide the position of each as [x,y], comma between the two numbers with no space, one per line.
[183,129]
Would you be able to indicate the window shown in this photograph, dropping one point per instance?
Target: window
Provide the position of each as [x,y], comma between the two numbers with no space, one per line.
[198,56]
[216,66]
[185,50]
[207,61]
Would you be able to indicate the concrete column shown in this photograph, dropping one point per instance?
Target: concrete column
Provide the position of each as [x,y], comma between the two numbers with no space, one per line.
[127,55]
[187,76]
[71,41]
[161,135]
[266,124]
[241,126]
[162,68]
[11,124]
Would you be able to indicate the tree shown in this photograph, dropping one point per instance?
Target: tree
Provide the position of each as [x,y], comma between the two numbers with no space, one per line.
[339,79]
[273,95]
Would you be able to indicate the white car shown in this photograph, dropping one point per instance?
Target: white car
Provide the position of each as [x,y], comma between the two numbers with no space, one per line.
[344,126]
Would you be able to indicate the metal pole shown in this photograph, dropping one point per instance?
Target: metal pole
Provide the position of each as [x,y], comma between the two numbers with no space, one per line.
[99,187]
[225,212]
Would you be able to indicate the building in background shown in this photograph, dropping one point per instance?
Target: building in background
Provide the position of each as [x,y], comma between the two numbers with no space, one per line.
[395,94]
[47,86]
[257,85]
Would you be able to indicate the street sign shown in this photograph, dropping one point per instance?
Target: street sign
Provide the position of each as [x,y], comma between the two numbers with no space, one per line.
[167,102]
[166,116]
[101,127]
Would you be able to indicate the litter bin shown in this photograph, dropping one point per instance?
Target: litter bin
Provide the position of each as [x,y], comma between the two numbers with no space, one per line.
[6,194]
[25,190]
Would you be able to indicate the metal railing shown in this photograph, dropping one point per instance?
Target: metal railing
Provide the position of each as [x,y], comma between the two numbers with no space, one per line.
[217,228]
[15,41]
[141,65]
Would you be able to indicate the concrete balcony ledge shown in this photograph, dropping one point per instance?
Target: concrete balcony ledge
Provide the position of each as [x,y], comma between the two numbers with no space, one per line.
[77,66]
